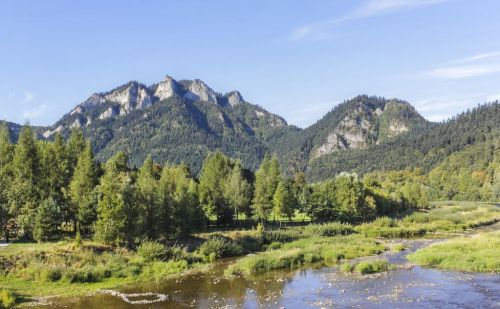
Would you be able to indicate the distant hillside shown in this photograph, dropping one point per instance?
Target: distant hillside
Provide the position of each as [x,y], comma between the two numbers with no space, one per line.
[423,147]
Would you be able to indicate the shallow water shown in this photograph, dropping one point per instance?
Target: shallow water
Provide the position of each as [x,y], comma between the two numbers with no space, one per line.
[318,287]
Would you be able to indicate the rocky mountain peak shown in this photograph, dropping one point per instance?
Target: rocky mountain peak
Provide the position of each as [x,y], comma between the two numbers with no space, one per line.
[199,91]
[166,88]
[234,98]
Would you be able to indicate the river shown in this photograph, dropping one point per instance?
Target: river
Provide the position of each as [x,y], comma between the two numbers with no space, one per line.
[408,286]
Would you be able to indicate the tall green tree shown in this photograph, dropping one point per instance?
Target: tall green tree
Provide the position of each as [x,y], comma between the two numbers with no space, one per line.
[82,186]
[6,155]
[147,199]
[47,220]
[25,192]
[115,211]
[284,200]
[179,198]
[267,178]
[214,174]
[239,191]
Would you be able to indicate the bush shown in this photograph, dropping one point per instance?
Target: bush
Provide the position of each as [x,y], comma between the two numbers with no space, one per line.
[329,229]
[218,246]
[151,251]
[370,267]
[7,299]
[346,267]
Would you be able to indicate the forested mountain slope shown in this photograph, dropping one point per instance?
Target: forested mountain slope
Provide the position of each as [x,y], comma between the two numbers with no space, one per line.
[424,147]
[182,121]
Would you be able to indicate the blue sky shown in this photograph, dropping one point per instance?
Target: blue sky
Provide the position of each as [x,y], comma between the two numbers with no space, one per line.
[295,58]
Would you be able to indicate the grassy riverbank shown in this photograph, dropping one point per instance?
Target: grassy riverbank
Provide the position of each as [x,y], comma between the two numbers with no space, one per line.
[68,268]
[480,253]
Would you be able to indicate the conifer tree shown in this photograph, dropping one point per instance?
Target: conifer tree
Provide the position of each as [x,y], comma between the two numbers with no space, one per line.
[82,186]
[213,178]
[47,220]
[6,154]
[25,192]
[115,212]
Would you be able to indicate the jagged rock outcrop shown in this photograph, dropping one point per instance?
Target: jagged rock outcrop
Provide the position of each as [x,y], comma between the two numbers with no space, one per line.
[199,91]
[367,122]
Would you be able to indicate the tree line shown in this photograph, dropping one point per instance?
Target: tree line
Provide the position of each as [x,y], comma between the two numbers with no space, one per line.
[48,188]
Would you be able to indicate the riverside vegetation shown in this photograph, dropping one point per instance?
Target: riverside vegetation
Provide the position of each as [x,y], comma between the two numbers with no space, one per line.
[81,226]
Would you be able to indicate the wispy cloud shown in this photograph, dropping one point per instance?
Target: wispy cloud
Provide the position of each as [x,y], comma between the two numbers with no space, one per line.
[477,57]
[476,65]
[443,107]
[459,72]
[369,8]
[35,112]
[28,96]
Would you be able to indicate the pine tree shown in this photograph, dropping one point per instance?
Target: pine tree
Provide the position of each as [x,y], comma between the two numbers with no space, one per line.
[47,220]
[115,212]
[81,188]
[6,154]
[213,178]
[25,192]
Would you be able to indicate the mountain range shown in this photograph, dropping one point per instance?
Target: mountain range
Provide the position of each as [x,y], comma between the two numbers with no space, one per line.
[181,121]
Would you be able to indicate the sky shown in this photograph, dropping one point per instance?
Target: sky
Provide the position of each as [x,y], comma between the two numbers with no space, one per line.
[295,58]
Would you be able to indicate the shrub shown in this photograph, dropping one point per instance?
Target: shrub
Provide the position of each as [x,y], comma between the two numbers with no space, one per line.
[329,229]
[274,245]
[151,251]
[218,246]
[370,267]
[346,267]
[7,299]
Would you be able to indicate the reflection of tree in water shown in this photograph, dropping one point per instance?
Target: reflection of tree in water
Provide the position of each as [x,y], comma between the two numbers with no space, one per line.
[269,289]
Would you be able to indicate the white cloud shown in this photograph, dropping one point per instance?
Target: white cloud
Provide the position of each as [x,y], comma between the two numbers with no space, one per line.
[35,112]
[477,57]
[459,72]
[28,96]
[369,8]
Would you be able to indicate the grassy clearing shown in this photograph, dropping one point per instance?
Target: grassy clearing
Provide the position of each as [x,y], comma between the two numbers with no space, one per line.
[306,251]
[448,217]
[479,253]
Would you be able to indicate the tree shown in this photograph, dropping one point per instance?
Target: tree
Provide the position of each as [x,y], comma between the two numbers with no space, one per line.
[239,191]
[349,197]
[147,198]
[214,174]
[6,154]
[284,200]
[115,212]
[81,188]
[267,178]
[179,197]
[47,220]
[24,194]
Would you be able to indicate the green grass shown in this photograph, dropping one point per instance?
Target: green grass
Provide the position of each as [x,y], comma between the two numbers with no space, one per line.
[479,253]
[443,218]
[63,268]
[366,267]
[307,251]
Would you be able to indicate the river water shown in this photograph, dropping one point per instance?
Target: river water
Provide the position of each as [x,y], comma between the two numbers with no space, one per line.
[408,286]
